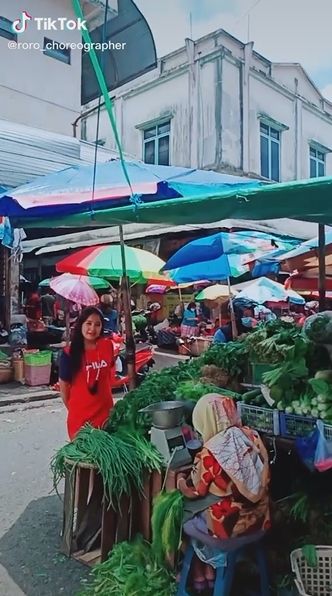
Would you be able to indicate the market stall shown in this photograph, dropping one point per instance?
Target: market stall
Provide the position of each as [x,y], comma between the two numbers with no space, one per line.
[277,377]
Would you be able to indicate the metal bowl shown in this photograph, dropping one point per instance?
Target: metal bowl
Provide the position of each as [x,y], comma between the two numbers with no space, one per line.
[165,414]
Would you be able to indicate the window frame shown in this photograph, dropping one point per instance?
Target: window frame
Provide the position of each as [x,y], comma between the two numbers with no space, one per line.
[156,138]
[270,140]
[318,161]
[10,35]
[56,54]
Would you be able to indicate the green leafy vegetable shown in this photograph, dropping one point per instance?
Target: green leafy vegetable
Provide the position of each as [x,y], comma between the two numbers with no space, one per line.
[131,570]
[167,518]
[121,459]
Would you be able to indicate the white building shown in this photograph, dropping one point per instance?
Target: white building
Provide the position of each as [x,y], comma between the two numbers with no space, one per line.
[218,104]
[40,83]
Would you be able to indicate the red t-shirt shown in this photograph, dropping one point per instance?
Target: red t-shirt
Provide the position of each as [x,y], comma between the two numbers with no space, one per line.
[83,405]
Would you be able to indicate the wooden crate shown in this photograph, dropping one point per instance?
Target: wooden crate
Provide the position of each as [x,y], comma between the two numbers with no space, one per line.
[91,525]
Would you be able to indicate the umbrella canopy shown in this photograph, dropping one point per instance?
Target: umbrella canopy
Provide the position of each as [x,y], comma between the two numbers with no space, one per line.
[215,270]
[69,191]
[308,200]
[223,243]
[105,261]
[95,282]
[265,290]
[216,292]
[75,289]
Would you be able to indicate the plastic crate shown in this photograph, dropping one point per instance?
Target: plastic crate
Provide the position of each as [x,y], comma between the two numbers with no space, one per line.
[328,432]
[292,425]
[38,358]
[37,375]
[312,581]
[262,419]
[258,370]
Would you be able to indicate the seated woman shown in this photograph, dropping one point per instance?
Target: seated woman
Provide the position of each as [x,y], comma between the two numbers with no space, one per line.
[227,492]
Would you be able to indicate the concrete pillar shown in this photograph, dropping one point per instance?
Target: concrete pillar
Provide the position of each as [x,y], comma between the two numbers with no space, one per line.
[248,48]
[193,105]
[298,135]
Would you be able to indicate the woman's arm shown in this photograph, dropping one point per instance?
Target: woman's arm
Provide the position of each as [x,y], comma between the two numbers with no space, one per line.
[64,391]
[65,377]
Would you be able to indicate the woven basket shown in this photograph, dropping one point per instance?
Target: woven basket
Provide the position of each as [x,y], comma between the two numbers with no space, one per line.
[313,581]
[6,375]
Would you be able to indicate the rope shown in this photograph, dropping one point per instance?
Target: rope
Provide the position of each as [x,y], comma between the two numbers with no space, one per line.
[135,199]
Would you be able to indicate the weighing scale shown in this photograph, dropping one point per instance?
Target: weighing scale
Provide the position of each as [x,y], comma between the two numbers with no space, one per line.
[172,446]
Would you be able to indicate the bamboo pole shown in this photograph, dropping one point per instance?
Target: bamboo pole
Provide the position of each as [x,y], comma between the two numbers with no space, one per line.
[130,341]
[321,266]
[234,328]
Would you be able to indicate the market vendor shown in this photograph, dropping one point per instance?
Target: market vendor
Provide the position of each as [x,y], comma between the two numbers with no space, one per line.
[189,326]
[86,372]
[109,312]
[227,492]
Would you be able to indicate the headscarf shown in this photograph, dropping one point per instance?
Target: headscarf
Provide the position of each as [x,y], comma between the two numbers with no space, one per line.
[239,452]
[213,414]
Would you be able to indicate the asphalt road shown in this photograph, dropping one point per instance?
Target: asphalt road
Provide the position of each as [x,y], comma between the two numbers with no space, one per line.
[30,513]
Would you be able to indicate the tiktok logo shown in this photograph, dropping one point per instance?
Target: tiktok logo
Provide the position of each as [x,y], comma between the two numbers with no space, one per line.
[20,25]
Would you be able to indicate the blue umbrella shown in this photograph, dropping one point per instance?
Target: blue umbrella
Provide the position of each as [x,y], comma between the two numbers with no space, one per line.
[223,243]
[69,191]
[218,269]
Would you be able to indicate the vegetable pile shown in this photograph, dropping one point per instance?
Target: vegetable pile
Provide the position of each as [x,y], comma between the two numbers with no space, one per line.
[167,518]
[132,569]
[121,458]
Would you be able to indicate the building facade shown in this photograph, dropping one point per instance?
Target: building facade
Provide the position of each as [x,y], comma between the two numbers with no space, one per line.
[218,104]
[40,82]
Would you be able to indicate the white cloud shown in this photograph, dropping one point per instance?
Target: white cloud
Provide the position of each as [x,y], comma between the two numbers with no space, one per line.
[283,30]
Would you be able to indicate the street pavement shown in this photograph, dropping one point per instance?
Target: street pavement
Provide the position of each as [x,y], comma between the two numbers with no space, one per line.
[30,512]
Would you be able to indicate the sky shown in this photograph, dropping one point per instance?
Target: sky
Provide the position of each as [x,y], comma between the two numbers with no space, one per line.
[282,30]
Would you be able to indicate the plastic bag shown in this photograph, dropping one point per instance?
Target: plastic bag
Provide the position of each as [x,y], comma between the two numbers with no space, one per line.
[323,455]
[306,449]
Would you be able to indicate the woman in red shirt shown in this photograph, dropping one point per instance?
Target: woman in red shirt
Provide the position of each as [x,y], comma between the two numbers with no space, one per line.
[86,373]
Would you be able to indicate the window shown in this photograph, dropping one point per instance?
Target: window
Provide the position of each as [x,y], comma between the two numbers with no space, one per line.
[270,152]
[6,29]
[57,50]
[317,163]
[156,144]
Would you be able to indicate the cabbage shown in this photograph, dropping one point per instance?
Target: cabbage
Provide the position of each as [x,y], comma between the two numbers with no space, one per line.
[318,328]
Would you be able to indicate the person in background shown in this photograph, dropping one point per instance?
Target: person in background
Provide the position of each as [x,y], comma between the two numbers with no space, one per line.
[219,337]
[33,309]
[189,326]
[48,303]
[109,312]
[262,313]
[86,373]
[226,495]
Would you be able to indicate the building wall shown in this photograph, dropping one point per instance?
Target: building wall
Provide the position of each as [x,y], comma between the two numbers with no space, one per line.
[36,89]
[215,91]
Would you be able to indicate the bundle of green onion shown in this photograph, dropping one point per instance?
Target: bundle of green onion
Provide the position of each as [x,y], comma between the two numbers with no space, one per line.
[131,570]
[121,459]
[167,519]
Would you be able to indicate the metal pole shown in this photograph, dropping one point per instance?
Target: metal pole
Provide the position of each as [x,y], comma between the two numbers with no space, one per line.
[130,341]
[234,328]
[321,266]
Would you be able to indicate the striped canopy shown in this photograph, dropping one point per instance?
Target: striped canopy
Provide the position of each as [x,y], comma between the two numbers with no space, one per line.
[105,261]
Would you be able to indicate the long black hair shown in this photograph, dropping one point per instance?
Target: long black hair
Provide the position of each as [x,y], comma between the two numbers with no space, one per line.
[76,350]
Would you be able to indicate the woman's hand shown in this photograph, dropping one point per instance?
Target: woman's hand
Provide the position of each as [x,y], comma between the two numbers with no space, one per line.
[188,492]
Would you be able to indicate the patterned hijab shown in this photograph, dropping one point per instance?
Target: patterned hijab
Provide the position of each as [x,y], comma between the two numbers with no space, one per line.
[239,451]
[213,414]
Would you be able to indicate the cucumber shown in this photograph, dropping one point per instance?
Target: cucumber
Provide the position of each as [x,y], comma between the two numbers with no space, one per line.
[249,396]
